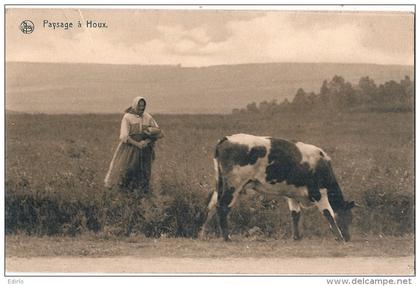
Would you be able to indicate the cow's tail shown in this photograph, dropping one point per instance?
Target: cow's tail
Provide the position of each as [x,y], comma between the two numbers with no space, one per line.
[217,167]
[212,200]
[213,196]
[216,151]
[216,173]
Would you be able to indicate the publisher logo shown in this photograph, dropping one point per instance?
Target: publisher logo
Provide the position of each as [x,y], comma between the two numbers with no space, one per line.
[27,26]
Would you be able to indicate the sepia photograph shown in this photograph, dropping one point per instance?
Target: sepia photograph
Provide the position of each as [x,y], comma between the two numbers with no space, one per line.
[266,141]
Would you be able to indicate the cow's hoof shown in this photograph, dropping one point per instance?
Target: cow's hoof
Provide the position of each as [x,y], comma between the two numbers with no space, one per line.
[228,239]
[202,235]
[297,237]
[340,240]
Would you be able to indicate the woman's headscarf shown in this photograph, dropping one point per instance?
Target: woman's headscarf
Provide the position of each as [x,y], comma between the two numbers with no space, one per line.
[134,105]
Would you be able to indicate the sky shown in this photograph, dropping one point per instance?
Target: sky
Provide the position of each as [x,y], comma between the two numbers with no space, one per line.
[211,37]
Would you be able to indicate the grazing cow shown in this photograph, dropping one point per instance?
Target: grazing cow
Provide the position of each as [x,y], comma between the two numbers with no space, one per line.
[300,172]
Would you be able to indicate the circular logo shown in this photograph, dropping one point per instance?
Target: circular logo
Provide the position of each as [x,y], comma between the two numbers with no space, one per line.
[27,26]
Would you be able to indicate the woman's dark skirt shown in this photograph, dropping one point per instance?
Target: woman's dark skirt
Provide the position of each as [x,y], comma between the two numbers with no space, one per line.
[130,168]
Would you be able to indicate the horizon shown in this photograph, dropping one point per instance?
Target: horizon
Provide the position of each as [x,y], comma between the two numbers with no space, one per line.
[215,65]
[11,111]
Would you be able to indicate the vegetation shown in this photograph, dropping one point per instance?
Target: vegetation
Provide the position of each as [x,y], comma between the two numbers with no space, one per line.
[340,96]
[55,166]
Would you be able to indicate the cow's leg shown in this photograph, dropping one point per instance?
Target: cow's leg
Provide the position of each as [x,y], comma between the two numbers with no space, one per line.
[325,208]
[241,188]
[232,187]
[295,212]
[209,214]
[223,210]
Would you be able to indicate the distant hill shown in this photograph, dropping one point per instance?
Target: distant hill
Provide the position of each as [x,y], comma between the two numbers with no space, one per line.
[102,88]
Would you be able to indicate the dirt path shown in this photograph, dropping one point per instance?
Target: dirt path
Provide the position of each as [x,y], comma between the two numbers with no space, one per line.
[162,265]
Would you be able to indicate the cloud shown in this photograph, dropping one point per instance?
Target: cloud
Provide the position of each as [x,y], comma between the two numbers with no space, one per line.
[184,42]
[196,38]
[276,37]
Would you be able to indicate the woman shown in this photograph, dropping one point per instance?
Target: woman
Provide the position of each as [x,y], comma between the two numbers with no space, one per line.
[131,165]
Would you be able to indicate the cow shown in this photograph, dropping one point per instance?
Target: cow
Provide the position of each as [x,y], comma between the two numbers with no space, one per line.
[300,172]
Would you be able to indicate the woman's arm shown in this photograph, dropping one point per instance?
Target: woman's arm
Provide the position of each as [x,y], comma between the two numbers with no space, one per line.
[154,133]
[154,130]
[125,129]
[139,144]
[125,137]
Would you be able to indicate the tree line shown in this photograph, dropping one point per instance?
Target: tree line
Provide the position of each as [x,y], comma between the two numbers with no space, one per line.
[339,95]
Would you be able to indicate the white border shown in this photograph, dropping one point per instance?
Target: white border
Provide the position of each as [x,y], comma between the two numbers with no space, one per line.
[240,7]
[346,6]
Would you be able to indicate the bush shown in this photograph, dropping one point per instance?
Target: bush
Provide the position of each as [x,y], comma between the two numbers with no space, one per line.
[389,213]
[42,215]
[180,214]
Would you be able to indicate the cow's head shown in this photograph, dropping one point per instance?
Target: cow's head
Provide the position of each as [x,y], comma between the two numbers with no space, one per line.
[344,218]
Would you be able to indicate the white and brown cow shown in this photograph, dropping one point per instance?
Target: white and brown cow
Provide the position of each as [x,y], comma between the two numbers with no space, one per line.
[300,172]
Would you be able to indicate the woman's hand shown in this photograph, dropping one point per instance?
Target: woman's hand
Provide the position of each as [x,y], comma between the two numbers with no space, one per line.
[141,144]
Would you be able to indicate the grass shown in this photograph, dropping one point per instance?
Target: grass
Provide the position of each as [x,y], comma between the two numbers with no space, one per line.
[55,166]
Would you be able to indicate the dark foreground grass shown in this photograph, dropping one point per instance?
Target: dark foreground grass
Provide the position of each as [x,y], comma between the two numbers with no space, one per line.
[259,246]
[55,166]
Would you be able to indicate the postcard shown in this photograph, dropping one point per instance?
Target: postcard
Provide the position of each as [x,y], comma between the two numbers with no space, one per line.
[268,141]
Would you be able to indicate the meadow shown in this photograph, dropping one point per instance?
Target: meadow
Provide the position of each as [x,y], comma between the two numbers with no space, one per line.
[55,166]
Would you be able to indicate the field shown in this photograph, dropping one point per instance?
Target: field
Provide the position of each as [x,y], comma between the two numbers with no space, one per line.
[55,166]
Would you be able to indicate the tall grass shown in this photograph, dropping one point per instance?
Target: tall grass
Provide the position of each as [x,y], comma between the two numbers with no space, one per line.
[55,166]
